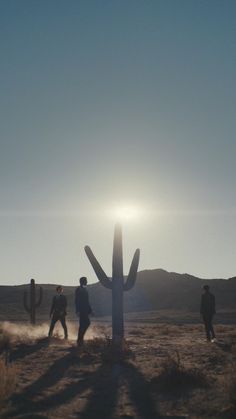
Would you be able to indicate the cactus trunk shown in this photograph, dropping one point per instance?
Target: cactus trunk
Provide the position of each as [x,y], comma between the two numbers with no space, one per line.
[32,305]
[117,287]
[32,299]
[117,312]
[117,284]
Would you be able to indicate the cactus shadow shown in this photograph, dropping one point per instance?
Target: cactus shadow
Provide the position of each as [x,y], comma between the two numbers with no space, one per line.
[105,392]
[108,383]
[104,386]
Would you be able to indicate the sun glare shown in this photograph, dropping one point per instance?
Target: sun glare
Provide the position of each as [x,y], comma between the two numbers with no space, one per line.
[126,213]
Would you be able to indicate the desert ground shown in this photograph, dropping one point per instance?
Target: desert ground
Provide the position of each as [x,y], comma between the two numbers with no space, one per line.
[165,370]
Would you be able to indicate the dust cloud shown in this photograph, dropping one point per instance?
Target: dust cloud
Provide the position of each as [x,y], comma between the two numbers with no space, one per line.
[26,332]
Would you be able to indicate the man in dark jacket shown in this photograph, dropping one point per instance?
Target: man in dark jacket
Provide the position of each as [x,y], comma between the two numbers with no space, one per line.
[207,311]
[82,308]
[58,311]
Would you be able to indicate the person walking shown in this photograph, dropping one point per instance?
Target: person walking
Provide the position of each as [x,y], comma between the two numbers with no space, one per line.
[58,311]
[82,308]
[207,311]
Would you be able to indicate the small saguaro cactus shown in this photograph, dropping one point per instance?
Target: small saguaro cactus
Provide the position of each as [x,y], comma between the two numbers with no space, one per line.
[31,307]
[117,284]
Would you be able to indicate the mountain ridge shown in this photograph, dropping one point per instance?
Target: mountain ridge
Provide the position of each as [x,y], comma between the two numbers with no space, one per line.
[155,289]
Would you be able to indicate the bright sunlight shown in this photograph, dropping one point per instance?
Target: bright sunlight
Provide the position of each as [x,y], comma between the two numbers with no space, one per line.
[123,213]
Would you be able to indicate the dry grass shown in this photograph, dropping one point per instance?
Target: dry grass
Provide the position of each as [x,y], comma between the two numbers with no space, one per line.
[197,380]
[164,331]
[176,377]
[7,380]
[230,385]
[4,341]
[5,345]
[137,332]
[169,330]
[109,352]
[7,372]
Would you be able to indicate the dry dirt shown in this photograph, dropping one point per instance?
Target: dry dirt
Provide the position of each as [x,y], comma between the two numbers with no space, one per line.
[165,371]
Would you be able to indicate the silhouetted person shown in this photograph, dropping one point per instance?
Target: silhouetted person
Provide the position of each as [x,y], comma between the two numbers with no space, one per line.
[82,308]
[58,311]
[207,311]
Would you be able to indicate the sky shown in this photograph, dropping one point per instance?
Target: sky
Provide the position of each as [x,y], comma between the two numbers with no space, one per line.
[114,104]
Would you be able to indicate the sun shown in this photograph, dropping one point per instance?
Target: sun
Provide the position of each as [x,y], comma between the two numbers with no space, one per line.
[125,212]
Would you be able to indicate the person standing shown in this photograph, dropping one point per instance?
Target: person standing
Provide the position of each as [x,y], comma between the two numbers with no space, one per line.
[58,311]
[82,308]
[207,311]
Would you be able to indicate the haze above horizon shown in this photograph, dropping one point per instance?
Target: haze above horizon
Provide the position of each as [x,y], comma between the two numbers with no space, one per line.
[117,111]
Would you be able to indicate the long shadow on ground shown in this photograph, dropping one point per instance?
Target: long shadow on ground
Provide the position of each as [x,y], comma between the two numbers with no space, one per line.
[104,395]
[103,386]
[24,349]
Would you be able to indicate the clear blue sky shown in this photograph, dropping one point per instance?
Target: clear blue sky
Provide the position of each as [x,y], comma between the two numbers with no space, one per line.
[106,102]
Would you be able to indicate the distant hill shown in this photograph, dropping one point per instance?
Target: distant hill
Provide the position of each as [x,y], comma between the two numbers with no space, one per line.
[154,290]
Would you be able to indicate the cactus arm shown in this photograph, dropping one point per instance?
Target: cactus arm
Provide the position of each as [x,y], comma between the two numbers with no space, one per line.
[40,297]
[132,272]
[97,268]
[27,308]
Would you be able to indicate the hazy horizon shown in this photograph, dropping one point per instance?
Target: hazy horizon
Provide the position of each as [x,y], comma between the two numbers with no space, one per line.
[106,105]
[76,281]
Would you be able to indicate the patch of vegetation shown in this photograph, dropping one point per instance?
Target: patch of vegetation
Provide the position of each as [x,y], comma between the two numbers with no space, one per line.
[231,386]
[7,380]
[164,331]
[176,377]
[110,353]
[169,330]
[4,341]
[137,332]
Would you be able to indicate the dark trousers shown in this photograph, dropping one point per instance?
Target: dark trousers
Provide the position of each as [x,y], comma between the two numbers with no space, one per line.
[62,319]
[84,323]
[210,334]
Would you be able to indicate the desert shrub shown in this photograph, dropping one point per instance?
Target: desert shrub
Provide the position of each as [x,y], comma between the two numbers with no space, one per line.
[230,384]
[232,337]
[176,377]
[169,330]
[165,331]
[221,328]
[109,352]
[4,341]
[193,328]
[137,332]
[7,380]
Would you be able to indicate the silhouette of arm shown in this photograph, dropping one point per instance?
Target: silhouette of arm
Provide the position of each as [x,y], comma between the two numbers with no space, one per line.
[202,306]
[90,310]
[77,300]
[52,306]
[65,303]
[213,304]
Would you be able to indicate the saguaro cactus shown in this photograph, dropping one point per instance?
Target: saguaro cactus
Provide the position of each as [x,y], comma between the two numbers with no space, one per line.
[31,307]
[117,284]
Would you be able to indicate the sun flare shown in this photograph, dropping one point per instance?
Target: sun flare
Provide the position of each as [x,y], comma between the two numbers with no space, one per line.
[126,212]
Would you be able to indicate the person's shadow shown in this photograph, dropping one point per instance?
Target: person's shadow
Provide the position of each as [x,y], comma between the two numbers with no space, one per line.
[24,349]
[104,385]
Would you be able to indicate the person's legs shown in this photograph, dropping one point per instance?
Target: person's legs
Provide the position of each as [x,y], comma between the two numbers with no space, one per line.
[206,323]
[53,322]
[211,329]
[83,326]
[63,323]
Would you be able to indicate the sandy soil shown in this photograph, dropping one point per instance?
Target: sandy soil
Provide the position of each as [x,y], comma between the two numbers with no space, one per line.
[55,379]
